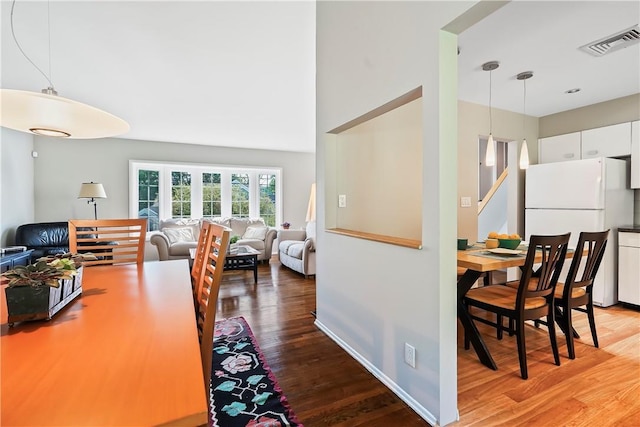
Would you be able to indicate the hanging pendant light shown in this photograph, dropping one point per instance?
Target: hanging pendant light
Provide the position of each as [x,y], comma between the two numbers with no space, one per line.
[524,150]
[490,155]
[48,114]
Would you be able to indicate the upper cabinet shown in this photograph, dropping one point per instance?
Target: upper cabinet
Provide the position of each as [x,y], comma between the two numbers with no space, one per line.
[559,148]
[608,141]
[635,154]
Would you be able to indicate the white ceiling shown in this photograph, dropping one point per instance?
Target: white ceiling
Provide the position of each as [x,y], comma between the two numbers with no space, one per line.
[242,74]
[544,37]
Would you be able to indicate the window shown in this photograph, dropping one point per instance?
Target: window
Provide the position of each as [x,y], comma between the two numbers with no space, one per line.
[267,183]
[180,195]
[161,191]
[148,197]
[240,195]
[211,195]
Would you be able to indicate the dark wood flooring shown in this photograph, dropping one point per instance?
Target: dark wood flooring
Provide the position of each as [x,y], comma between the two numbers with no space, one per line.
[326,387]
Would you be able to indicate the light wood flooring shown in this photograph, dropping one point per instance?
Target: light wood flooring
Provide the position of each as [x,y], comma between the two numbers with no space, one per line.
[326,387]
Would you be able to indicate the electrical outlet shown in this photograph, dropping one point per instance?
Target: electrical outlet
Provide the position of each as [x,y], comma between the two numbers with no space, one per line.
[410,355]
[342,201]
[465,202]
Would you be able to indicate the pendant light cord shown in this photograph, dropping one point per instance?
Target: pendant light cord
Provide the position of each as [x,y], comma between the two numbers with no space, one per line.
[13,33]
[524,110]
[490,115]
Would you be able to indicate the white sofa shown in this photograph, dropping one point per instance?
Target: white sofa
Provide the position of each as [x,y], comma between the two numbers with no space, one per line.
[177,236]
[297,249]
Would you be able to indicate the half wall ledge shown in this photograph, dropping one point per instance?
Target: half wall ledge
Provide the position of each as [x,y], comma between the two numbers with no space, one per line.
[398,241]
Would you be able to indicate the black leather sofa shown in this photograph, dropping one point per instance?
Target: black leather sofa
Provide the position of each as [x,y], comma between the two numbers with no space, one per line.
[45,238]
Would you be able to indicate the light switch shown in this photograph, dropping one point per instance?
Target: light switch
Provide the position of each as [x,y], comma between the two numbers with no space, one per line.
[342,201]
[465,202]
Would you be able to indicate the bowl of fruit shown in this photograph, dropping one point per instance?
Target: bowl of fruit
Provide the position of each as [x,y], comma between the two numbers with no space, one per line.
[506,241]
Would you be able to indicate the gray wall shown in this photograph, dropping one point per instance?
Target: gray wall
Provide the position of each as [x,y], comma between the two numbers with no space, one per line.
[53,178]
[16,175]
[606,113]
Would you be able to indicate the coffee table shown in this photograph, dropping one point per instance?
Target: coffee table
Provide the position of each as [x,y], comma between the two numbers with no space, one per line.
[240,258]
[243,258]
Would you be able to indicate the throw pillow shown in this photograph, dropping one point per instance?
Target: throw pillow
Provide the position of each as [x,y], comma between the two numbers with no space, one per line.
[258,233]
[178,234]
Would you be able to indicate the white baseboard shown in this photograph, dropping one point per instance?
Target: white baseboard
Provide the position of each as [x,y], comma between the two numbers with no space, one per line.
[406,398]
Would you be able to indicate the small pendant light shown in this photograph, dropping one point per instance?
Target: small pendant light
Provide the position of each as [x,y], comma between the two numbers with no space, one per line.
[524,150]
[490,155]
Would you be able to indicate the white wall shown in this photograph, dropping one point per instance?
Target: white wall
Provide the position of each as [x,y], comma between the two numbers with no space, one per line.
[16,185]
[374,297]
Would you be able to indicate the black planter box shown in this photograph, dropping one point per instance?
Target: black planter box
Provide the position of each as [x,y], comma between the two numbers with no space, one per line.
[25,303]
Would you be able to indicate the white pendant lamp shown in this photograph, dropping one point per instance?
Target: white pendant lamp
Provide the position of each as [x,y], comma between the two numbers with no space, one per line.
[490,155]
[48,114]
[524,150]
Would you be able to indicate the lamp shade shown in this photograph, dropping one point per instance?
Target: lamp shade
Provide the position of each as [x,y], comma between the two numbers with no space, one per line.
[490,156]
[311,209]
[524,155]
[92,190]
[53,115]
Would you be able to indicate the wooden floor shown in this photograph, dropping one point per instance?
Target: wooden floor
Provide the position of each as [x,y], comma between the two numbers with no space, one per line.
[326,387]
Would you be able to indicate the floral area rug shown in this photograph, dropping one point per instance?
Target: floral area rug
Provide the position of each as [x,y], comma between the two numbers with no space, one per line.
[243,390]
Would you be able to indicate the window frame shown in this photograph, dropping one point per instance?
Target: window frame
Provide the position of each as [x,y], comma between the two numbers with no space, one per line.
[196,170]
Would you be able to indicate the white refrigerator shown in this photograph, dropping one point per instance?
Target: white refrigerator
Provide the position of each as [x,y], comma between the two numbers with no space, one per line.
[581,195]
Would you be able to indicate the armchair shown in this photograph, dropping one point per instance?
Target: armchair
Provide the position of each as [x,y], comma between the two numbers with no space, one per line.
[297,249]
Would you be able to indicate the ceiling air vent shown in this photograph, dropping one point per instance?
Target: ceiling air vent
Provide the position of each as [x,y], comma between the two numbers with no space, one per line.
[619,40]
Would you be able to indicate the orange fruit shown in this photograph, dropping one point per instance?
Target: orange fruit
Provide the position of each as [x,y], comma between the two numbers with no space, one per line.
[493,235]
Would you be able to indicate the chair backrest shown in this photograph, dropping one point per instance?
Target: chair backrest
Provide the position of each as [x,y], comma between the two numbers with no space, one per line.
[594,243]
[216,244]
[553,251]
[112,241]
[198,259]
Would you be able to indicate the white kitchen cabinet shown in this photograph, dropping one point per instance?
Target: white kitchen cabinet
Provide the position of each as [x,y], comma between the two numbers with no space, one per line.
[629,267]
[607,141]
[635,154]
[560,148]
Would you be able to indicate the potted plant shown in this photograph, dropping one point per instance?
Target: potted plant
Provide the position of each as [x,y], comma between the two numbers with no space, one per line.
[233,243]
[40,290]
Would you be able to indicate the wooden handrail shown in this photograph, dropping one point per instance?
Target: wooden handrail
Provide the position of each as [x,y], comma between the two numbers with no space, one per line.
[493,190]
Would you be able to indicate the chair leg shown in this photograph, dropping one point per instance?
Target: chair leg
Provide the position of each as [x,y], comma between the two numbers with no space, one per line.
[522,349]
[551,326]
[592,324]
[466,337]
[499,323]
[560,320]
[568,331]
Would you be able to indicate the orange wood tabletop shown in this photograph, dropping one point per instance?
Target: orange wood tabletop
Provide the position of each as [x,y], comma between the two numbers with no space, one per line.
[125,353]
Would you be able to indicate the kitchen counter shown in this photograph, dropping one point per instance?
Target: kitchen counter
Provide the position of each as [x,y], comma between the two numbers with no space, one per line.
[629,229]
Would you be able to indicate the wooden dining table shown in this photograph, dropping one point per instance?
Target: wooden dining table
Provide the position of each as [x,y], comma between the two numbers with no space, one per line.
[478,260]
[125,353]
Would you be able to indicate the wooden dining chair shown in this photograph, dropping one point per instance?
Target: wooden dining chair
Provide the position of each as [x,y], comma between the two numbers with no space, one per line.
[112,241]
[533,299]
[198,259]
[216,244]
[576,292]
